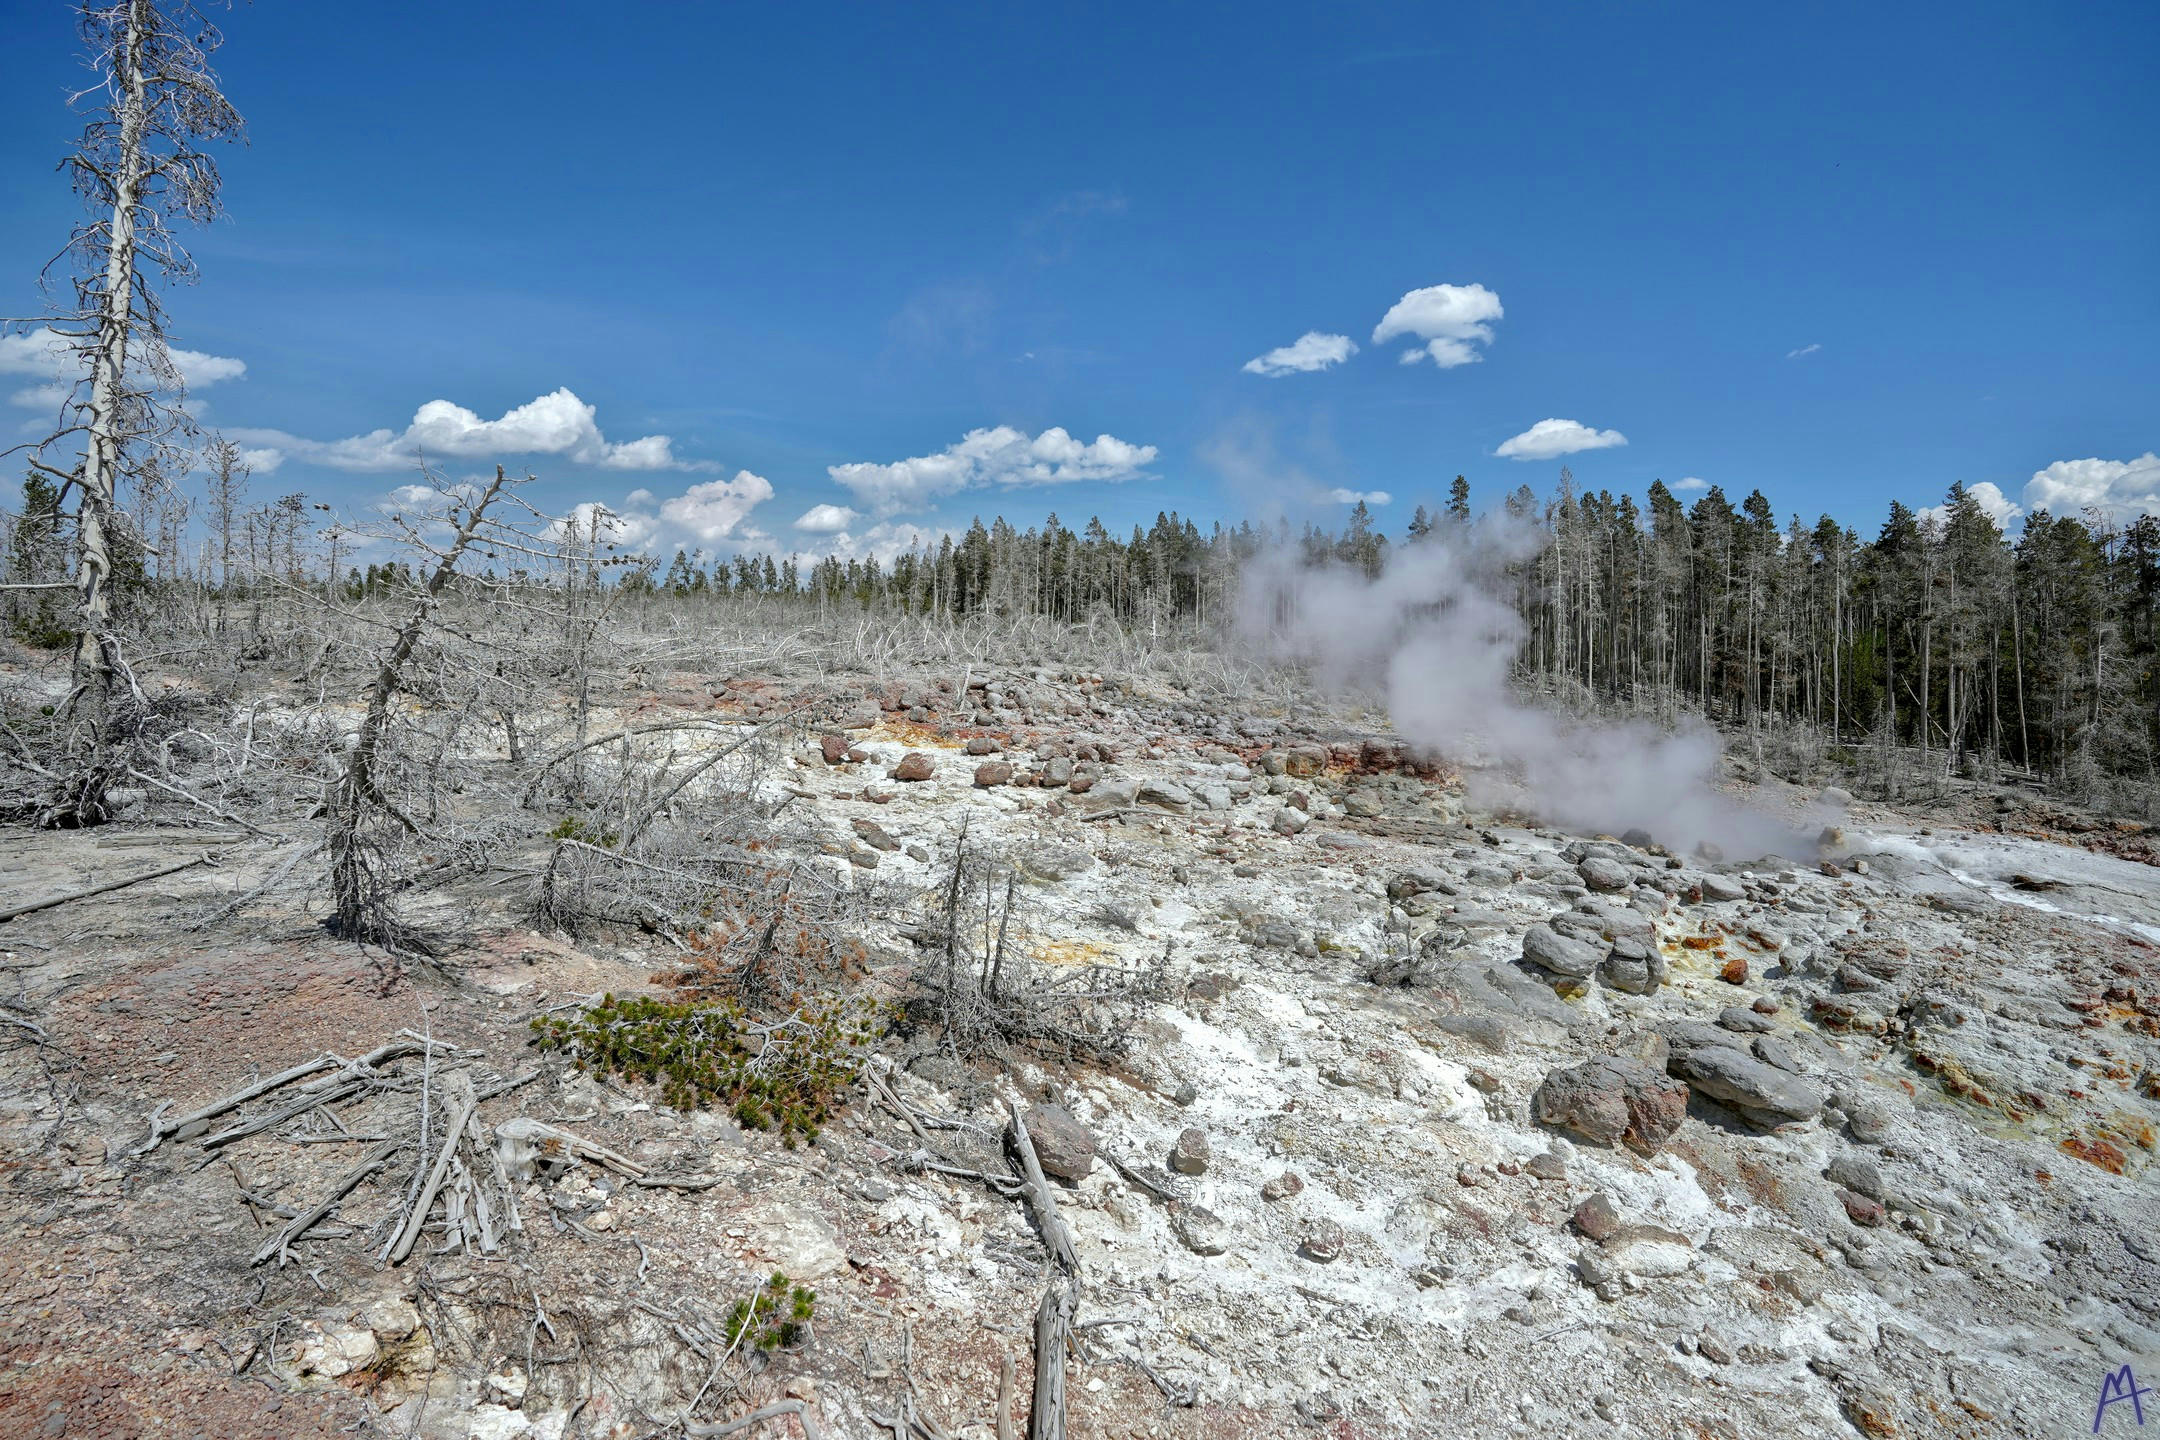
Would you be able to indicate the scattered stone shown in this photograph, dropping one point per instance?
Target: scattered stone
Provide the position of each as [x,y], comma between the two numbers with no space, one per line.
[1716,1351]
[1290,821]
[1166,793]
[834,748]
[992,775]
[1596,1218]
[1600,873]
[1735,971]
[1609,1099]
[1856,1173]
[982,745]
[1286,1186]
[1052,862]
[914,766]
[876,836]
[1763,1092]
[1304,762]
[1547,1165]
[1719,889]
[1189,1156]
[1200,1229]
[1323,1242]
[1548,949]
[1773,1051]
[1063,1145]
[1860,1209]
[1745,1021]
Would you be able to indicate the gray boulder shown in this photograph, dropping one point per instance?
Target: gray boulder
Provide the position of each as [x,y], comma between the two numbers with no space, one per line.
[1719,889]
[1609,1100]
[1763,1092]
[1633,966]
[1600,873]
[1056,862]
[1166,793]
[1548,949]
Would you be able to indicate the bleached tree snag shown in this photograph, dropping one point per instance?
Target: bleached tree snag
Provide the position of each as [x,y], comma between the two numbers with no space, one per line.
[138,164]
[361,901]
[1005,1396]
[1053,1325]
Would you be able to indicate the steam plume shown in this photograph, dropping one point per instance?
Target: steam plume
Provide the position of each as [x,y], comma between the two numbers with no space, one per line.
[1437,634]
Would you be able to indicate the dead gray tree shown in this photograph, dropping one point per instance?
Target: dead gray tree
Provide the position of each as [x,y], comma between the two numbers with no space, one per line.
[138,165]
[358,807]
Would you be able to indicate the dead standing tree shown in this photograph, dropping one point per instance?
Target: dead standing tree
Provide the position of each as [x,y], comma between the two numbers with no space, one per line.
[139,164]
[359,810]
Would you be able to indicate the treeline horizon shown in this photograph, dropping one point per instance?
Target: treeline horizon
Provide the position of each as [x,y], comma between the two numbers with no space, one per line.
[1941,632]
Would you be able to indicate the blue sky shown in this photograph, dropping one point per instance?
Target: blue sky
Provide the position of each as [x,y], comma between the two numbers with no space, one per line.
[1841,253]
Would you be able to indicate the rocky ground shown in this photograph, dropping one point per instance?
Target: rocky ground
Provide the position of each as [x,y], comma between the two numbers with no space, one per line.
[1444,1125]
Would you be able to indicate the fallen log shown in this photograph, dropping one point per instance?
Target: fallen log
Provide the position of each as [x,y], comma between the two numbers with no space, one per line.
[105,889]
[300,1224]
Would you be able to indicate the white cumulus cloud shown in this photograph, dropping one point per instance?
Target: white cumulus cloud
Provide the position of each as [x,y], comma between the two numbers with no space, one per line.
[45,356]
[557,423]
[1309,352]
[1451,320]
[1692,482]
[1988,496]
[1549,439]
[1000,455]
[713,509]
[1343,496]
[826,519]
[2120,490]
[884,542]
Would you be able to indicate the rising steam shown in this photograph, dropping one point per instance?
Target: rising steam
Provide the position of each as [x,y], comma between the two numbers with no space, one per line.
[1438,635]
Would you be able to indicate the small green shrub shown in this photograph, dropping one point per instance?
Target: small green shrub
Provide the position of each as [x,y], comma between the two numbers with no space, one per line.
[575,827]
[776,1316]
[785,1075]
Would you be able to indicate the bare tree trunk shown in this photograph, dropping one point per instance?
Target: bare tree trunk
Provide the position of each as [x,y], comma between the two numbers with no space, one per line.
[358,796]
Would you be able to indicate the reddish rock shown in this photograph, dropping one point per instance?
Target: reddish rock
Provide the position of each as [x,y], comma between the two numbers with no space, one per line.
[1080,784]
[835,748]
[1596,1218]
[1305,761]
[1735,971]
[1064,1147]
[1859,1209]
[997,772]
[1611,1099]
[914,766]
[1323,1241]
[1285,1186]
